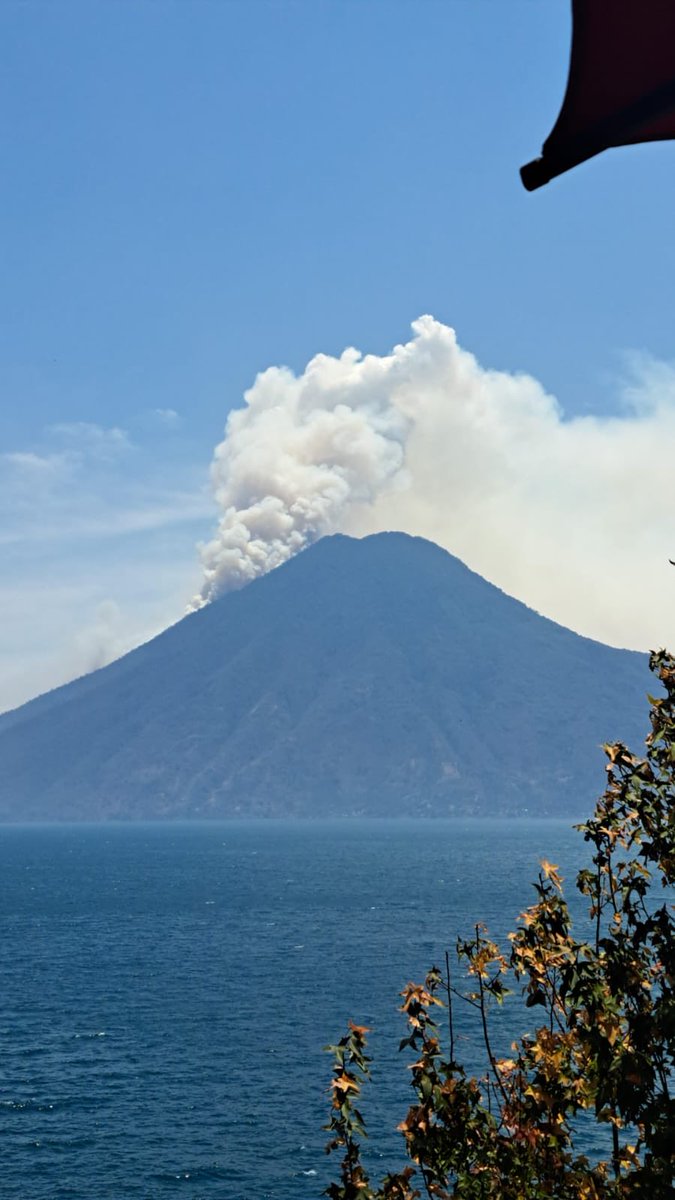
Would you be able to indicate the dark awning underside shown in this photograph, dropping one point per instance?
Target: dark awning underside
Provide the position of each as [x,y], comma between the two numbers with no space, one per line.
[621,86]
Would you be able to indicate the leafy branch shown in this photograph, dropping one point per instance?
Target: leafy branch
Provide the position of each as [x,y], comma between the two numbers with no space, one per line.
[606,1042]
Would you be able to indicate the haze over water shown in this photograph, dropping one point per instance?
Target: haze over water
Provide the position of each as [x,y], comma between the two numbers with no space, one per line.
[167,990]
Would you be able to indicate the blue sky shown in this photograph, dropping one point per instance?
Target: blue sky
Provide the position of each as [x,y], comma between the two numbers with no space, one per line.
[196,191]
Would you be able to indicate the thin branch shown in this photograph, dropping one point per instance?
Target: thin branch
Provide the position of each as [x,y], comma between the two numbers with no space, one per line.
[616,1158]
[486,1036]
[451,1029]
[466,999]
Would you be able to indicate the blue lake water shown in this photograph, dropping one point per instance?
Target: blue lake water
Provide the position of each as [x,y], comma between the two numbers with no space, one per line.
[166,991]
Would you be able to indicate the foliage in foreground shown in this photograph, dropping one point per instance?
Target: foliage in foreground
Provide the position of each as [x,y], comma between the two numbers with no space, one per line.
[605,1044]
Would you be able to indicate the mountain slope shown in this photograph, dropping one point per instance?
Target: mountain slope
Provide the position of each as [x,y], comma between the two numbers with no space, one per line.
[376,675]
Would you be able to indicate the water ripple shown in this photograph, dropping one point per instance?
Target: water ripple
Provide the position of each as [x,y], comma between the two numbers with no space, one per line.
[167,990]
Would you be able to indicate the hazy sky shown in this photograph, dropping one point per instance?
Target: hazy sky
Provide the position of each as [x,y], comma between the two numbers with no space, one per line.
[195,192]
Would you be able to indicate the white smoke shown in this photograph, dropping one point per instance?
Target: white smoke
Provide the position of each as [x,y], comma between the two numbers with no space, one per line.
[574,516]
[292,463]
[100,642]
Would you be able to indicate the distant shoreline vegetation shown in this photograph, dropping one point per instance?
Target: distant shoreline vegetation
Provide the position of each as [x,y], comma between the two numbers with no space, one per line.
[340,819]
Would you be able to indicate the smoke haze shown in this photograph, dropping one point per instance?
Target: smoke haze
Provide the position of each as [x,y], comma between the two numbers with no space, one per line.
[573,516]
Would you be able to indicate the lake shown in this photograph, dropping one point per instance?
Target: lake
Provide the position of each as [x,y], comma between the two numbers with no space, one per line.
[166,990]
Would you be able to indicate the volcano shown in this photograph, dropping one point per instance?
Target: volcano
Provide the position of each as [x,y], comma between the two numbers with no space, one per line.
[371,677]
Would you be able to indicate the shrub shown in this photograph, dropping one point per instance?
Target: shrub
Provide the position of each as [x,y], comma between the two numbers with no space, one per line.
[605,1044]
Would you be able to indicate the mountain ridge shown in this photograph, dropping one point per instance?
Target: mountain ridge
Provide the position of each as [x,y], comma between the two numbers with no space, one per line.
[376,675]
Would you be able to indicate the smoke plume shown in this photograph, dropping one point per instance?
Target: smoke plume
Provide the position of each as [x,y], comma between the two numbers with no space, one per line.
[574,516]
[302,452]
[100,642]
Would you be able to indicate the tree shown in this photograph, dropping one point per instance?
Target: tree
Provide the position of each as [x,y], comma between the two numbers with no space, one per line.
[605,1044]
